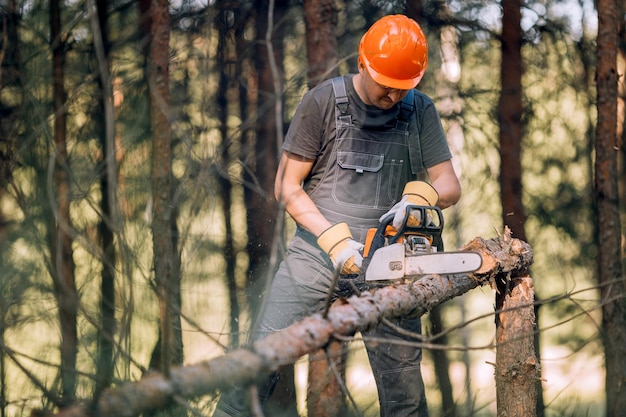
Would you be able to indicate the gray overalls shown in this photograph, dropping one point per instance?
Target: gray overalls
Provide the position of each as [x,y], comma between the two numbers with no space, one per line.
[364,178]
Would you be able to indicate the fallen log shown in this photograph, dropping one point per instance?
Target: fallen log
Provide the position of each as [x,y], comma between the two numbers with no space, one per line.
[503,257]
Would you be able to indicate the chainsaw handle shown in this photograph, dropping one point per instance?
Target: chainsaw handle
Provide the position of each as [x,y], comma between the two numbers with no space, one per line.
[378,239]
[432,229]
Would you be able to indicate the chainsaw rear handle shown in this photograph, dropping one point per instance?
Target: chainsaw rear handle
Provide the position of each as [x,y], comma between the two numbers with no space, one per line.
[432,228]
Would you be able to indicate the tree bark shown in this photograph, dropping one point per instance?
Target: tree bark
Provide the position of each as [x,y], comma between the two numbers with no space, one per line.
[169,349]
[510,110]
[502,257]
[325,391]
[517,367]
[325,397]
[265,222]
[321,19]
[447,85]
[264,219]
[106,126]
[62,263]
[610,274]
[10,80]
[510,119]
[441,364]
[226,55]
[10,85]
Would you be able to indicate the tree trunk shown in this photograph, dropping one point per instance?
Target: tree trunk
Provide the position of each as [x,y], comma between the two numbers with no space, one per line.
[324,394]
[10,79]
[226,55]
[502,257]
[517,368]
[321,19]
[510,108]
[621,123]
[169,350]
[104,118]
[446,70]
[265,221]
[326,383]
[510,119]
[610,274]
[441,364]
[62,264]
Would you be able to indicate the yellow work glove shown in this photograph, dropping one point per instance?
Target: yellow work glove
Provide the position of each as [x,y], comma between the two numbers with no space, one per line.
[417,193]
[345,253]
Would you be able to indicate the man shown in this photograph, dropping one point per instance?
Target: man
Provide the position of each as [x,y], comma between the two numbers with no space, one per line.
[350,157]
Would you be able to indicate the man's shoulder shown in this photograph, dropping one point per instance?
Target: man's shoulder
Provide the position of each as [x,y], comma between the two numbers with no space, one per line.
[320,94]
[422,100]
[325,86]
[324,96]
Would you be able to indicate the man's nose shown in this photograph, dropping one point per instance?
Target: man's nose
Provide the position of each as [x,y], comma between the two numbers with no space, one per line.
[396,95]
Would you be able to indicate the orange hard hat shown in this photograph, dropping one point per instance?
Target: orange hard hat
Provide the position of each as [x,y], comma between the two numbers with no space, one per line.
[394,52]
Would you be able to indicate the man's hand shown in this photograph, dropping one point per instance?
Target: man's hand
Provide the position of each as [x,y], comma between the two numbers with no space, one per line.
[417,193]
[345,253]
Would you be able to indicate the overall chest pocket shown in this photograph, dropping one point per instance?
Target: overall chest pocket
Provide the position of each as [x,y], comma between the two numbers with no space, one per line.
[366,180]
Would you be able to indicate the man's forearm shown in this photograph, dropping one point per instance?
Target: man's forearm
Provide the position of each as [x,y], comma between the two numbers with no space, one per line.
[304,212]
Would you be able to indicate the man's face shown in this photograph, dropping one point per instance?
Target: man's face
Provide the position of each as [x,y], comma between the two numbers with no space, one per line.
[379,95]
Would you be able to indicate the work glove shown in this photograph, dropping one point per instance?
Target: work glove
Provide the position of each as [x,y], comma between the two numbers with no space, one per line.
[345,253]
[417,193]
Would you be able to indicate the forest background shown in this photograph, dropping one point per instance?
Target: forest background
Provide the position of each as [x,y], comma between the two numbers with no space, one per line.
[134,128]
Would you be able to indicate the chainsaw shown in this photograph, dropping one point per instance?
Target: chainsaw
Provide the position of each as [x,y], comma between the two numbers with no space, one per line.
[416,248]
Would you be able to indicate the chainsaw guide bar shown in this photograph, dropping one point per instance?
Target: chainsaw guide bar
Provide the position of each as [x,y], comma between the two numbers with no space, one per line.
[415,249]
[391,262]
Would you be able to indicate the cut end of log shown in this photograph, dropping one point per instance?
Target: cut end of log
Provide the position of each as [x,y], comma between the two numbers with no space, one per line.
[502,255]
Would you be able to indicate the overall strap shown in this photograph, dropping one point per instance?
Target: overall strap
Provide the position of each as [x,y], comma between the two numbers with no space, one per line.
[407,106]
[341,102]
[407,109]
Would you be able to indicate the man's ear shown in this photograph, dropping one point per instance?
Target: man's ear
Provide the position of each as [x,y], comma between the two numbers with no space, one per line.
[361,66]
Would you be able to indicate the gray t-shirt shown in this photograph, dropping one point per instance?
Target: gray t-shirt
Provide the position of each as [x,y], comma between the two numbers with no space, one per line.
[312,130]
